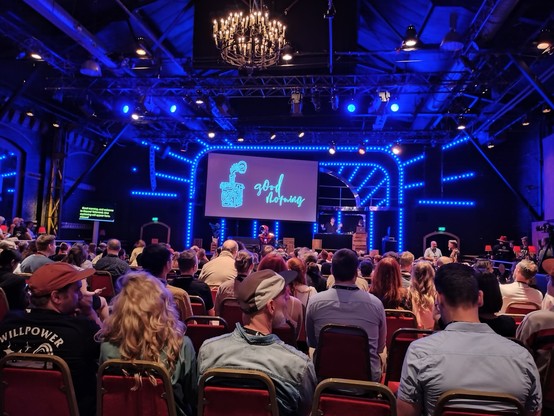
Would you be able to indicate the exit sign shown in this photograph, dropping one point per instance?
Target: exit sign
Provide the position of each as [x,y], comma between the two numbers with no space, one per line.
[442,229]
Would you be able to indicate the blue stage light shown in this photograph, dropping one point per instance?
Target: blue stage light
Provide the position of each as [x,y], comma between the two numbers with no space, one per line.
[444,202]
[394,107]
[173,108]
[255,229]
[134,169]
[351,107]
[125,109]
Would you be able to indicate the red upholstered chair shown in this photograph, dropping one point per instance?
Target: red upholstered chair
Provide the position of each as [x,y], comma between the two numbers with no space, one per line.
[118,392]
[36,384]
[235,392]
[201,327]
[331,398]
[548,385]
[522,307]
[396,319]
[338,341]
[4,306]
[231,312]
[543,342]
[517,317]
[198,305]
[401,340]
[447,406]
[102,280]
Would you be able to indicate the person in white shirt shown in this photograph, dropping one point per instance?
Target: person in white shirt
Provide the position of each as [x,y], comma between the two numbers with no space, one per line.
[520,291]
[432,253]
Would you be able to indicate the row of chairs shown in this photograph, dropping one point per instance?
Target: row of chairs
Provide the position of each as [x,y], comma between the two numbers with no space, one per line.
[221,391]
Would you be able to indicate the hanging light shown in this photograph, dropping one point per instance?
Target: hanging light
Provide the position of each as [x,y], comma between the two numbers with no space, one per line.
[272,135]
[546,109]
[462,123]
[332,148]
[250,41]
[410,39]
[396,149]
[544,41]
[361,149]
[301,134]
[525,121]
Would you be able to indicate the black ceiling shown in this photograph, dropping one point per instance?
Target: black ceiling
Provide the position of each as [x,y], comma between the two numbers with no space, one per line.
[495,80]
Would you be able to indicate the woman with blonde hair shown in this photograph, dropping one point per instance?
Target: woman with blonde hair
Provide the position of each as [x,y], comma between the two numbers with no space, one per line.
[144,325]
[422,294]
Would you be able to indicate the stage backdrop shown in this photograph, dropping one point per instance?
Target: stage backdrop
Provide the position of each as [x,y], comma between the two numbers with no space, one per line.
[264,188]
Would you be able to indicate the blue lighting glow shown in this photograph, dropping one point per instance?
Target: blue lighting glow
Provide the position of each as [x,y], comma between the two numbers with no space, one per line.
[371,229]
[455,143]
[277,225]
[367,178]
[375,189]
[351,177]
[223,225]
[171,177]
[394,107]
[454,178]
[351,107]
[340,170]
[339,218]
[125,109]
[314,228]
[179,157]
[8,174]
[134,169]
[444,202]
[414,185]
[154,194]
[2,157]
[414,160]
[10,191]
[145,143]
[255,229]
[173,108]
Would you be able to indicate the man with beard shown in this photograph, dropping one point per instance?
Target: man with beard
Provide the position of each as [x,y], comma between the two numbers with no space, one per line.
[263,298]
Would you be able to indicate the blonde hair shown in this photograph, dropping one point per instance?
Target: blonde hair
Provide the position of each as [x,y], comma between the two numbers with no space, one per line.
[422,290]
[144,323]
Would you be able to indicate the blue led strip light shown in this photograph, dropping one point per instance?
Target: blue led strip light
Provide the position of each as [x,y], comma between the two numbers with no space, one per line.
[375,189]
[414,185]
[154,194]
[255,229]
[10,191]
[454,178]
[455,143]
[367,178]
[340,170]
[339,218]
[414,160]
[277,231]
[314,228]
[371,229]
[179,157]
[444,202]
[354,172]
[386,200]
[145,143]
[8,174]
[171,177]
[2,157]
[223,226]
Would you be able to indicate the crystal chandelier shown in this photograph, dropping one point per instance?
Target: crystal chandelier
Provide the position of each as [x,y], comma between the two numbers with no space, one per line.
[250,41]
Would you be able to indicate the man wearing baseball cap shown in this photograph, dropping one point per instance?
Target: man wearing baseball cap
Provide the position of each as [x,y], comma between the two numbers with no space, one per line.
[263,298]
[61,322]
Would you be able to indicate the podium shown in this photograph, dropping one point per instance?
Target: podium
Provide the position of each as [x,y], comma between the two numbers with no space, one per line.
[359,242]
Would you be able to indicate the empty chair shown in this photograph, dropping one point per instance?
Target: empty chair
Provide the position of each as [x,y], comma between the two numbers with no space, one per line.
[401,340]
[331,398]
[522,307]
[4,306]
[102,280]
[134,389]
[203,327]
[231,312]
[198,305]
[235,392]
[36,384]
[396,319]
[342,341]
[468,402]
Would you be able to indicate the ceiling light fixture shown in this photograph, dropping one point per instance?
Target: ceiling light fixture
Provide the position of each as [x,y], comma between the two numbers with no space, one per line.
[56,125]
[545,41]
[332,148]
[250,41]
[396,149]
[141,49]
[410,41]
[462,123]
[546,109]
[36,56]
[300,134]
[361,149]
[452,41]
[30,113]
[490,145]
[211,134]
[525,121]
[91,68]
[272,135]
[287,53]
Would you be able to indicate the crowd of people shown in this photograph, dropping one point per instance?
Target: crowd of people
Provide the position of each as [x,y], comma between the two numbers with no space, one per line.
[46,287]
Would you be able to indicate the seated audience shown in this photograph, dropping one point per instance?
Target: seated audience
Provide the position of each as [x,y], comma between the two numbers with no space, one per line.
[366,270]
[61,251]
[406,263]
[61,322]
[345,304]
[519,291]
[467,354]
[46,247]
[298,287]
[263,296]
[314,277]
[111,262]
[422,294]
[243,264]
[492,302]
[14,286]
[222,267]
[144,325]
[386,284]
[139,246]
[503,275]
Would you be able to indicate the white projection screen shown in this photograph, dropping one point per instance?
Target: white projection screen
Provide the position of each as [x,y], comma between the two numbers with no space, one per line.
[261,188]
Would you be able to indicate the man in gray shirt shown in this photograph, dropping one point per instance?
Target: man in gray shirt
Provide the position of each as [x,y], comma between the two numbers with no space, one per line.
[46,247]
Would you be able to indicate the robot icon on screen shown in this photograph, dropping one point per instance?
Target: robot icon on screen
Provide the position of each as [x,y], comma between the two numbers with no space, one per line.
[232,193]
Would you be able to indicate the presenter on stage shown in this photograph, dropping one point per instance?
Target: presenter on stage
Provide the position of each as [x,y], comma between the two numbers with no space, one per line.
[331,227]
[266,238]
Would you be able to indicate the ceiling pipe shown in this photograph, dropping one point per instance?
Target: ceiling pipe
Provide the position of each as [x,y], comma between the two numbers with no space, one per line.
[57,15]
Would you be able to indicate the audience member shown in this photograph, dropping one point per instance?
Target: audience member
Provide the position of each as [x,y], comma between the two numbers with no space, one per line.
[454,252]
[432,253]
[188,265]
[61,251]
[314,277]
[263,296]
[221,268]
[202,259]
[244,263]
[14,286]
[298,287]
[345,304]
[386,284]
[51,327]
[137,249]
[548,301]
[144,325]
[111,261]
[519,291]
[406,262]
[422,294]
[46,247]
[492,303]
[466,355]
[366,270]
[503,276]
[78,256]
[443,260]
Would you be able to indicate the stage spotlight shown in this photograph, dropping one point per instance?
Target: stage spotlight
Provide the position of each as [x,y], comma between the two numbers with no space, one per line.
[525,121]
[410,40]
[546,109]
[125,109]
[545,40]
[351,107]
[490,145]
[272,135]
[361,149]
[173,108]
[394,107]
[332,149]
[462,123]
[56,124]
[211,134]
[287,53]
[240,139]
[396,149]
[300,134]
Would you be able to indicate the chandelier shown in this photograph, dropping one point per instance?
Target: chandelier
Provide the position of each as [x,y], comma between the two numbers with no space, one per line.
[250,41]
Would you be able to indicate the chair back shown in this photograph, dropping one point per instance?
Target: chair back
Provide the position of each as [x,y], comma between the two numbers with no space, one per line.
[102,279]
[119,393]
[213,290]
[198,305]
[332,398]
[522,307]
[286,333]
[401,340]
[458,403]
[203,327]
[236,392]
[4,306]
[396,319]
[548,384]
[230,311]
[336,341]
[542,342]
[517,317]
[36,384]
